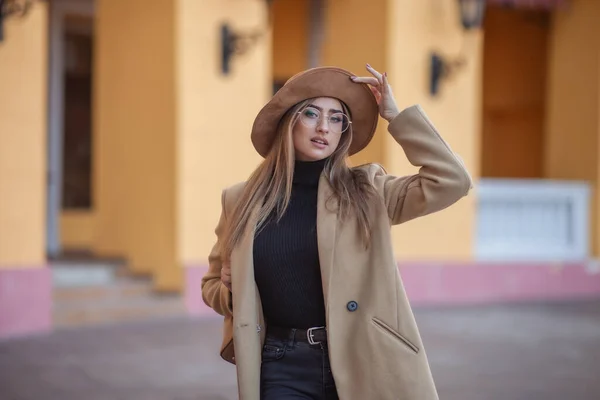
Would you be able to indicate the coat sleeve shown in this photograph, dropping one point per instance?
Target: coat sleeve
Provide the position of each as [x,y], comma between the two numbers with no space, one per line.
[442,178]
[214,293]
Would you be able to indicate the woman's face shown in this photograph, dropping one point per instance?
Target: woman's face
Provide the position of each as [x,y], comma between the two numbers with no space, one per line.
[319,128]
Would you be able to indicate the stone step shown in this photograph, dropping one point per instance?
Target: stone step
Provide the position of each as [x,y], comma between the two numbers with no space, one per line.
[75,273]
[155,307]
[91,293]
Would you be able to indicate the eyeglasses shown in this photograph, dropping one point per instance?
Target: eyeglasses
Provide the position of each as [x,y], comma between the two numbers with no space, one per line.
[337,122]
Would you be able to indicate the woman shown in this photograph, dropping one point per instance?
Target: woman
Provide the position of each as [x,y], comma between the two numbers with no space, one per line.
[303,269]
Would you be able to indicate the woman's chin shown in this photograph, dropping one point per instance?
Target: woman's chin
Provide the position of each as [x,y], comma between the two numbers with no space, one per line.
[313,155]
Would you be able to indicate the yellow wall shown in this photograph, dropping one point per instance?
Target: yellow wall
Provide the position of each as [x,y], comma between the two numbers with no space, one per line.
[514,93]
[215,114]
[290,37]
[573,128]
[170,135]
[571,148]
[23,125]
[209,137]
[355,34]
[77,229]
[347,48]
[415,28]
[165,144]
[134,133]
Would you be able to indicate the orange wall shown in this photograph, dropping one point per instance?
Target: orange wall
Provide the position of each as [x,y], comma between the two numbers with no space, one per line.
[514,93]
[355,34]
[164,159]
[77,229]
[396,36]
[135,134]
[167,133]
[23,126]
[572,147]
[348,48]
[214,115]
[414,28]
[290,37]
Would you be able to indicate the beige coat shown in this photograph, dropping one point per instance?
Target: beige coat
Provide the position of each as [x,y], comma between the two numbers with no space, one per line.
[376,351]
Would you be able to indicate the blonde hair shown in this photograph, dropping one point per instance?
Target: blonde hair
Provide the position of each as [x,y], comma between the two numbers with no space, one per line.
[270,185]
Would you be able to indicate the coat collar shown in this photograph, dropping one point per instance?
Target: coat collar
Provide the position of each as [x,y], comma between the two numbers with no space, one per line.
[242,271]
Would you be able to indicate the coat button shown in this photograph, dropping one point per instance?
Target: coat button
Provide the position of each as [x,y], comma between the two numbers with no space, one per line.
[352,305]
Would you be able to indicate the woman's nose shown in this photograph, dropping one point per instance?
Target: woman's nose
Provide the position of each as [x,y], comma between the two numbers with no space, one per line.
[323,126]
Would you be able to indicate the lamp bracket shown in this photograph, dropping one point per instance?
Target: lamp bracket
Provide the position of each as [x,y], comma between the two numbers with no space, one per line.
[237,43]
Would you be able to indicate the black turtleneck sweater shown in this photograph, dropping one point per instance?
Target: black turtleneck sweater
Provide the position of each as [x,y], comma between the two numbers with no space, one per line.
[286,257]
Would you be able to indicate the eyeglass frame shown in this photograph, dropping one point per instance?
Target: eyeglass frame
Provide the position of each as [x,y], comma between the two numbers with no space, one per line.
[321,114]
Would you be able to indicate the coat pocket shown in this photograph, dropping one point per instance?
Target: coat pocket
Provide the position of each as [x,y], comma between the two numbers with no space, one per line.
[392,332]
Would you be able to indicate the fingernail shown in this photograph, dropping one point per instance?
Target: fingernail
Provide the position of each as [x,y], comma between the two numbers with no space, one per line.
[368,65]
[353,77]
[385,74]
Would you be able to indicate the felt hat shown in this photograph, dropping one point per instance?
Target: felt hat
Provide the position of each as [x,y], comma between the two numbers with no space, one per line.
[319,82]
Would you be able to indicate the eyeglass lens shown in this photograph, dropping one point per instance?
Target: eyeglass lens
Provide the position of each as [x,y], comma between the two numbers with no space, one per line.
[337,122]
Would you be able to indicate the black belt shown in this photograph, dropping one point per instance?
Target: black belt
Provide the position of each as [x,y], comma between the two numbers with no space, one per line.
[314,335]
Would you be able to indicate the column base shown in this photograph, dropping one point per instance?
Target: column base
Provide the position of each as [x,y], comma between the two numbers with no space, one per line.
[481,283]
[25,301]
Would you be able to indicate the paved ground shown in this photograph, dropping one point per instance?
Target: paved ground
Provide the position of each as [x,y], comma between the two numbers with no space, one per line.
[524,352]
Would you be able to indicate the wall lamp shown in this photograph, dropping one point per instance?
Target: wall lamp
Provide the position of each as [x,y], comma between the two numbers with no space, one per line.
[236,43]
[472,13]
[10,8]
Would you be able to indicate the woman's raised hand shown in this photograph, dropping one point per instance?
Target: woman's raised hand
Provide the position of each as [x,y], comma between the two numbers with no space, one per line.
[378,83]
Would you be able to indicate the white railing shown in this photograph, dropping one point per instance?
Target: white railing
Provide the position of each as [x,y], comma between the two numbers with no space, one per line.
[532,220]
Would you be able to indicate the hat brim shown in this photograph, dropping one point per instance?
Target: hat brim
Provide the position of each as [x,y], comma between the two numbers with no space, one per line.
[319,82]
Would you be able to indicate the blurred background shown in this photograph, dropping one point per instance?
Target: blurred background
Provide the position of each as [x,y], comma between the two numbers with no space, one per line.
[122,120]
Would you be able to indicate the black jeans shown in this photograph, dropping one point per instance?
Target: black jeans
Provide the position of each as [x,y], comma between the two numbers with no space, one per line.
[294,369]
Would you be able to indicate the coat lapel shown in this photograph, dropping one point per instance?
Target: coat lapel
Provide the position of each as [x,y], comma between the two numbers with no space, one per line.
[242,276]
[247,333]
[326,231]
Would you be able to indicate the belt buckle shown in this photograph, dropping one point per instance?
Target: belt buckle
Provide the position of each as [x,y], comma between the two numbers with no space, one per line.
[311,336]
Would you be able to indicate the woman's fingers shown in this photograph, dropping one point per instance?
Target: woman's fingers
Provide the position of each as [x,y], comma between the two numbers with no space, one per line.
[377,94]
[366,79]
[376,80]
[375,73]
[386,85]
[378,83]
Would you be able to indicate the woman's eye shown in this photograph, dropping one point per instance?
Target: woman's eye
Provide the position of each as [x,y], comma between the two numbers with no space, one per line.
[336,119]
[311,114]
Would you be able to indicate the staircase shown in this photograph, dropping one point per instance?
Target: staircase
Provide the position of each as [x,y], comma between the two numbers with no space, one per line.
[91,292]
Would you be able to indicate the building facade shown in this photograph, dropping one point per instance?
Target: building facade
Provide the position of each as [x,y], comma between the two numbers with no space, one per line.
[120,126]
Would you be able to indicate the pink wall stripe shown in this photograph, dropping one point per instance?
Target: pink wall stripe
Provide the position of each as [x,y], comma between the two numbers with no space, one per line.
[25,301]
[485,283]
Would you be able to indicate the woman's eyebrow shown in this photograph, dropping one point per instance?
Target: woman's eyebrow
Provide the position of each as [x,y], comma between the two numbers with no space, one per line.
[320,109]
